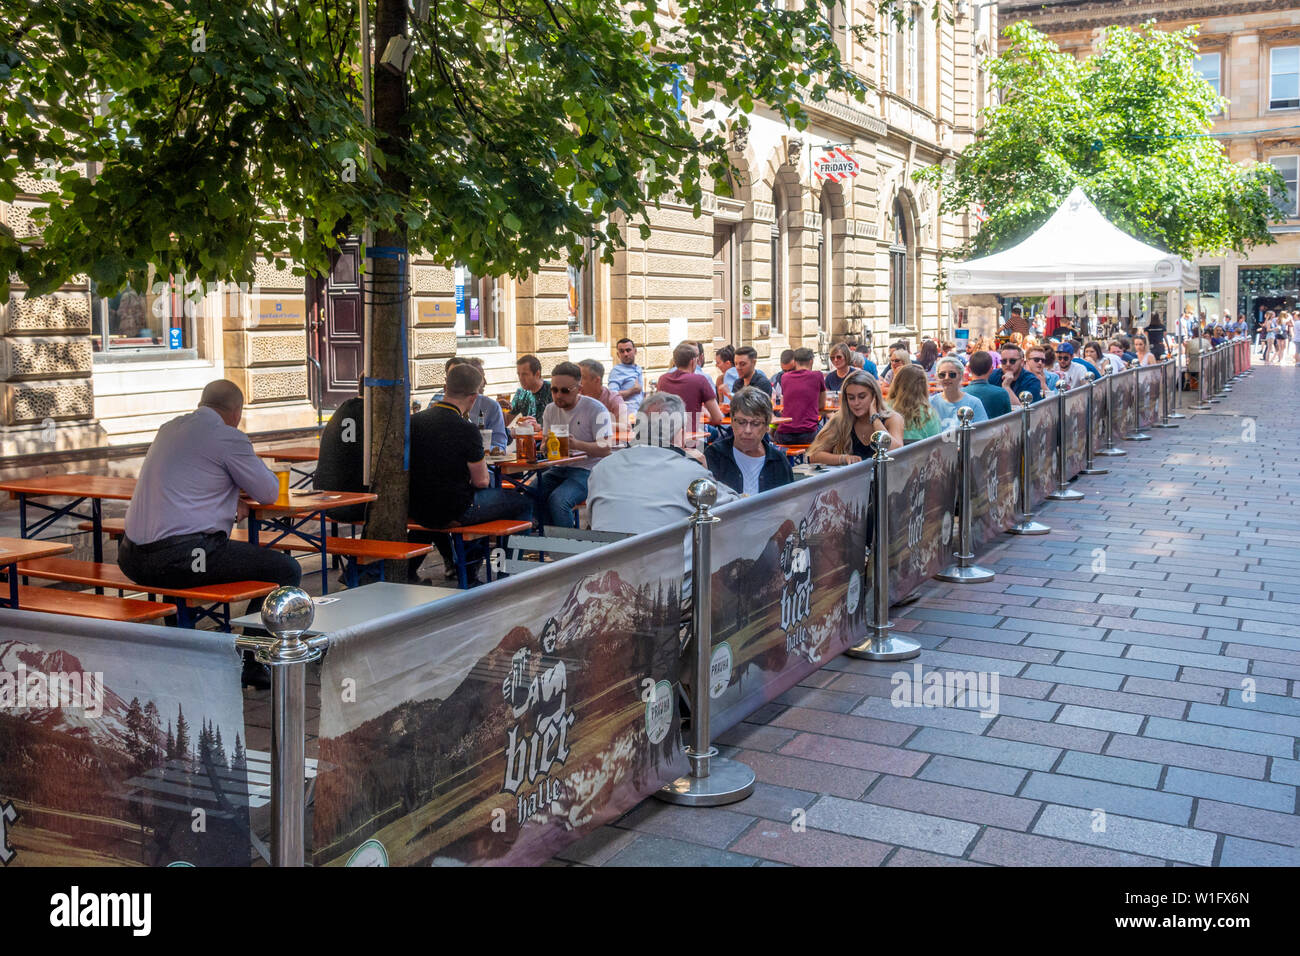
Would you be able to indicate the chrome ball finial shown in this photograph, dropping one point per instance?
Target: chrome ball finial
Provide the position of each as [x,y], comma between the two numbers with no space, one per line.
[702,494]
[964,414]
[287,612]
[882,440]
[1026,398]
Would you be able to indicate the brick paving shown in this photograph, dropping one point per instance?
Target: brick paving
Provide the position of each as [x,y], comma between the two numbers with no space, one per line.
[1148,654]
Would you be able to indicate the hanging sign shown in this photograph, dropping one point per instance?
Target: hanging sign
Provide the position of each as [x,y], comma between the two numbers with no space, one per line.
[836,164]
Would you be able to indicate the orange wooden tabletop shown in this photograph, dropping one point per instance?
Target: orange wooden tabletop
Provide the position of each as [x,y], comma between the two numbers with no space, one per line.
[293,453]
[308,502]
[73,486]
[516,466]
[27,549]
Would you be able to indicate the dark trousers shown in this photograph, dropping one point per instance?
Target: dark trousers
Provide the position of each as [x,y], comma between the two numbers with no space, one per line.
[490,504]
[191,560]
[795,438]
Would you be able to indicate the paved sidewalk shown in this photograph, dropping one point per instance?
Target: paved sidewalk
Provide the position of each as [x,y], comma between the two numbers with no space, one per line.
[1148,658]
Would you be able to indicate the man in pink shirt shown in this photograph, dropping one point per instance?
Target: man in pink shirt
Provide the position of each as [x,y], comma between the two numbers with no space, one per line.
[593,386]
[803,392]
[695,391]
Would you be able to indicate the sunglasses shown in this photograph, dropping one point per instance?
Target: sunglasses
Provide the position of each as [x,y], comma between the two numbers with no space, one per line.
[1036,358]
[567,390]
[948,375]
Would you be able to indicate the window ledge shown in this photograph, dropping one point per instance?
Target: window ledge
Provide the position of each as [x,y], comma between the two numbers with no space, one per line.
[473,342]
[160,359]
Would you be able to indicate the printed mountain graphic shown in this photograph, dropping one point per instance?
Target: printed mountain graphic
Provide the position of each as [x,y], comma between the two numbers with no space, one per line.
[107,730]
[442,761]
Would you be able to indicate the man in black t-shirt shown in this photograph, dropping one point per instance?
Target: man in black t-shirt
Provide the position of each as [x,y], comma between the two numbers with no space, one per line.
[342,447]
[450,484]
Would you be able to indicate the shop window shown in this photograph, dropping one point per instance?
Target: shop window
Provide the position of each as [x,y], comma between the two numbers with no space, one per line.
[582,299]
[159,322]
[478,303]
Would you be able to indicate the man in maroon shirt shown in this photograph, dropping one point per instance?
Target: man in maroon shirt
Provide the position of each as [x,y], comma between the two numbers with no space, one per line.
[804,393]
[695,391]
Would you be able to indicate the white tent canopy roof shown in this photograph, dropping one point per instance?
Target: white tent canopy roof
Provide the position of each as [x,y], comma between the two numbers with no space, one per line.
[1075,251]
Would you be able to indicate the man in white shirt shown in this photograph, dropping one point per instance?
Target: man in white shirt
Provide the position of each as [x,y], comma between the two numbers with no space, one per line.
[1069,369]
[562,488]
[187,499]
[643,488]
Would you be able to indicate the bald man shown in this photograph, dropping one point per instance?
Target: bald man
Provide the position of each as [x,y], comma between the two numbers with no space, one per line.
[187,500]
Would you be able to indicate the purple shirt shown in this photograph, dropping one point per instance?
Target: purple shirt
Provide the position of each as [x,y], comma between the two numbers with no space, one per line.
[801,390]
[191,479]
[694,390]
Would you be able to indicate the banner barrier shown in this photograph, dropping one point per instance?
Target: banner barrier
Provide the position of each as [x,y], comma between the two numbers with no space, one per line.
[995,481]
[922,508]
[1076,430]
[496,732]
[1148,403]
[1124,393]
[788,587]
[122,744]
[1043,419]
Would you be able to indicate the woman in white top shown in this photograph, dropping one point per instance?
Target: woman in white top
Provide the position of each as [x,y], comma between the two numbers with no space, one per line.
[1144,355]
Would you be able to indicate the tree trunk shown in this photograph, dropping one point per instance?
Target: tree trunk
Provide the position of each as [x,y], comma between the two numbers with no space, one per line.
[388,403]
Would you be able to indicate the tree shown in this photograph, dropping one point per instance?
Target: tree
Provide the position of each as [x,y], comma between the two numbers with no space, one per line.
[239,760]
[1130,125]
[182,748]
[223,131]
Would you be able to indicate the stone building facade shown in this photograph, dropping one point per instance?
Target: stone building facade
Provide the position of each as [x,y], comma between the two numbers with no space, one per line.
[1250,49]
[786,260]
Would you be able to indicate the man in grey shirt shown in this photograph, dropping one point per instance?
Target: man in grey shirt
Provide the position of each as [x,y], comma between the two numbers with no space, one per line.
[187,499]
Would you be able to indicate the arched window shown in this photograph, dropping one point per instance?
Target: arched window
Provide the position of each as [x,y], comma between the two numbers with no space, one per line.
[899,261]
[780,262]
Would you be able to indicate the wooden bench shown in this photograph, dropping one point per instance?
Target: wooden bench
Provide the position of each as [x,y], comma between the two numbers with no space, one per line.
[794,452]
[468,532]
[97,606]
[356,551]
[192,604]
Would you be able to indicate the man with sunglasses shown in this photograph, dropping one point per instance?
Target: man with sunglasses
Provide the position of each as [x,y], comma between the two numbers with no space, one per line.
[561,488]
[1015,377]
[1070,369]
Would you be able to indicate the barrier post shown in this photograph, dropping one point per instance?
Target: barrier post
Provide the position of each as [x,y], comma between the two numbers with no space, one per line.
[287,613]
[1201,373]
[1089,466]
[1224,379]
[713,780]
[1063,491]
[1164,396]
[1025,525]
[1212,388]
[1177,403]
[882,646]
[965,571]
[1110,451]
[1138,434]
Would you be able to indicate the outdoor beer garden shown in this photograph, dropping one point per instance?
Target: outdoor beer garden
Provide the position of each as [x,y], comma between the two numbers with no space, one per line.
[497,724]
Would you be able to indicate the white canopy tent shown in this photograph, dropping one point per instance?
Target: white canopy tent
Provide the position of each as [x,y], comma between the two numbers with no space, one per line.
[1076,251]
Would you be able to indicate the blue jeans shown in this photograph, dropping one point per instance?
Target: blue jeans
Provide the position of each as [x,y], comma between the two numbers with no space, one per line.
[559,490]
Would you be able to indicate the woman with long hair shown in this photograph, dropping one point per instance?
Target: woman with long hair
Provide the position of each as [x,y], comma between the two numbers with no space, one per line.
[910,396]
[1144,355]
[846,438]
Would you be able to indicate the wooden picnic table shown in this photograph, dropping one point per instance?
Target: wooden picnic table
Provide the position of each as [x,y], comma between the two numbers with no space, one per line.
[14,550]
[80,488]
[281,520]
